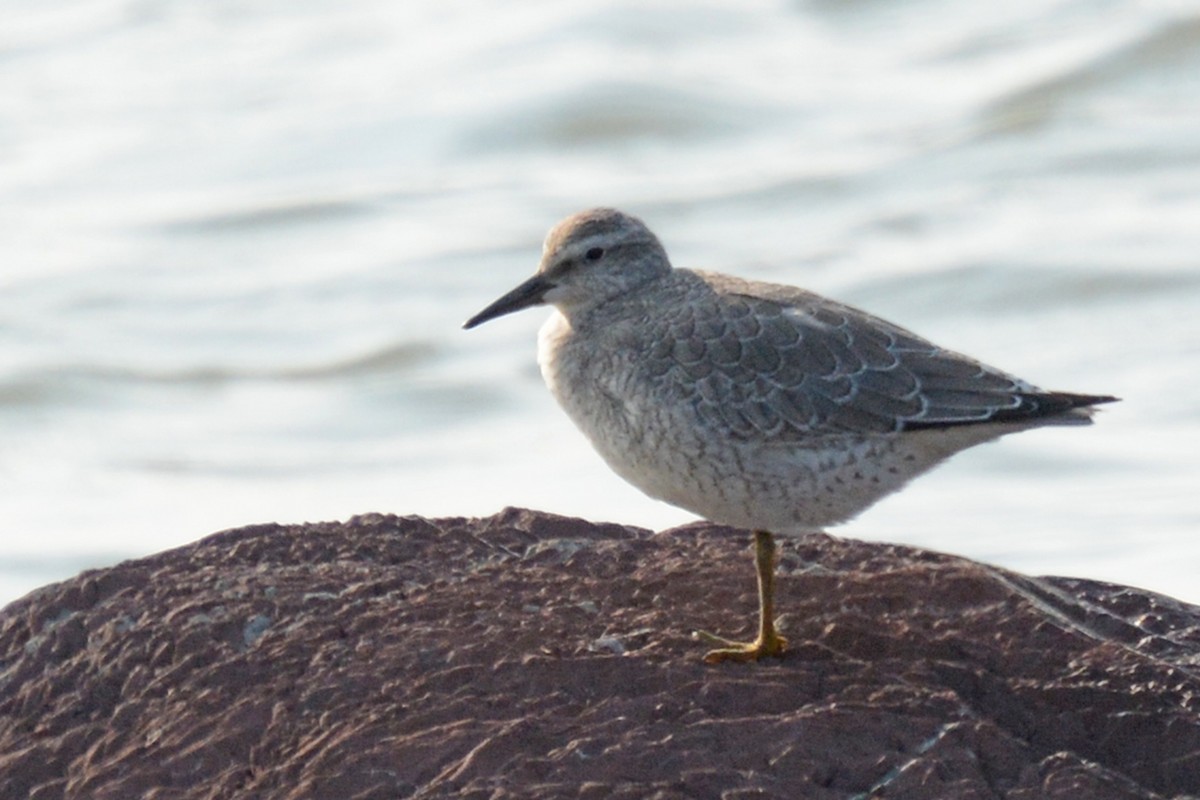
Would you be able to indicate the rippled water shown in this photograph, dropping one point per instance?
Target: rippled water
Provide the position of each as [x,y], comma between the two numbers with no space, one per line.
[238,242]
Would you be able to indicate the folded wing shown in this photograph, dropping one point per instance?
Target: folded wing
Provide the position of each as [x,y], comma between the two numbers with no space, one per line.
[785,363]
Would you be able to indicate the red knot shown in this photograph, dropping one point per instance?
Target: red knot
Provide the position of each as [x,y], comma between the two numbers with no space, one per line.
[753,404]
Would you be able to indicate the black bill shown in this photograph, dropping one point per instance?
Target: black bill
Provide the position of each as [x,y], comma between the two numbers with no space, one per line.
[530,293]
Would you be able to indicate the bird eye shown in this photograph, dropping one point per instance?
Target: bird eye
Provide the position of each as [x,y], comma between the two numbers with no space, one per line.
[594,254]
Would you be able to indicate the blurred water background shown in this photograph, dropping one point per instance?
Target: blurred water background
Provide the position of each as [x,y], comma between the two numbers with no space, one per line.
[237,241]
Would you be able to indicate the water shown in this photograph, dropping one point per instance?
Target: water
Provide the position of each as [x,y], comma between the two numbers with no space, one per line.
[238,241]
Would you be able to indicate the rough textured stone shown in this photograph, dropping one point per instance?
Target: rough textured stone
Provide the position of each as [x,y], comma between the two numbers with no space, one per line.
[527,655]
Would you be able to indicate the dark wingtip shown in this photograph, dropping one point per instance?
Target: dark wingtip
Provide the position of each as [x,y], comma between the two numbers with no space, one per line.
[1065,401]
[1063,408]
[1048,405]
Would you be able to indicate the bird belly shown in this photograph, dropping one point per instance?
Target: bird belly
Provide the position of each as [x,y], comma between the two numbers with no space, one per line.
[782,488]
[785,488]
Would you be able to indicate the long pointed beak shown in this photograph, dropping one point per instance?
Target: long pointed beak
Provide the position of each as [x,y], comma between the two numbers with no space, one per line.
[530,293]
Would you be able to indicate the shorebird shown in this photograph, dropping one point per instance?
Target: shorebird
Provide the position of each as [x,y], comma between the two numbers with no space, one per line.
[752,404]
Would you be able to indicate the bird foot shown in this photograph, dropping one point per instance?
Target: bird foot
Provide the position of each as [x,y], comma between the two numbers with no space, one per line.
[741,652]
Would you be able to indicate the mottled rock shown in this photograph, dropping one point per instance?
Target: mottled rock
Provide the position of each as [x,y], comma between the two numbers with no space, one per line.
[528,655]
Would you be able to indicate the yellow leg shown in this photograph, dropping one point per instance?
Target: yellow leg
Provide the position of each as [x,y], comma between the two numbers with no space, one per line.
[769,642]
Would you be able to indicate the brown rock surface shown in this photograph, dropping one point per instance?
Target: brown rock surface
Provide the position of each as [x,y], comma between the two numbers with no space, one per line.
[527,655]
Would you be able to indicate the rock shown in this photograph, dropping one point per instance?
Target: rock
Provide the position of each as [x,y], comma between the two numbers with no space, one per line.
[528,655]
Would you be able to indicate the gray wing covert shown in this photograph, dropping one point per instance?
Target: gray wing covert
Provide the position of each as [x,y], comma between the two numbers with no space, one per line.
[758,367]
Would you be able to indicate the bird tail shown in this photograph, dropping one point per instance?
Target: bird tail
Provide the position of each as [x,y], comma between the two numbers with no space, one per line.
[1056,408]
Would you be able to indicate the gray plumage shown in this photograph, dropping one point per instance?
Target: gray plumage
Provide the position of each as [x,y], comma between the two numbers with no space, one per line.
[749,403]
